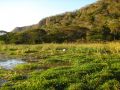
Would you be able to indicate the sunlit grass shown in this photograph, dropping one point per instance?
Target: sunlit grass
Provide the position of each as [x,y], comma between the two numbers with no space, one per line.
[94,66]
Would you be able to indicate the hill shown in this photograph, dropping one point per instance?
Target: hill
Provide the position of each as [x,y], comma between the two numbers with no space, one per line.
[2,32]
[96,22]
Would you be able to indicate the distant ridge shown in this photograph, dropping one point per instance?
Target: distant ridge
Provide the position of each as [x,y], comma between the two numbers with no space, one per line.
[95,13]
[2,32]
[99,21]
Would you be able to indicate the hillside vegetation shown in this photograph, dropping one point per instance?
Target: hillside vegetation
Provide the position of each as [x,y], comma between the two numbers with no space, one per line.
[99,21]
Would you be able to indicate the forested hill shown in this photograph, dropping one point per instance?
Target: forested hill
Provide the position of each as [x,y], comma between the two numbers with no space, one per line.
[98,21]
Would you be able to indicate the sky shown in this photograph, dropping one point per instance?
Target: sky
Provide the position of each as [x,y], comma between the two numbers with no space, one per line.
[17,13]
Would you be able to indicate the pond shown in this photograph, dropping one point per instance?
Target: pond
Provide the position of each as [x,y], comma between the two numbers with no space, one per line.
[2,81]
[10,63]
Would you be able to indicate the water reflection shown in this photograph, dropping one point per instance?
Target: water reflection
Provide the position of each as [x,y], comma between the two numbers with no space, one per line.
[9,64]
[2,81]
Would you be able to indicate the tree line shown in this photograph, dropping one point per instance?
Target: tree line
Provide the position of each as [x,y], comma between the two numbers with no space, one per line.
[61,35]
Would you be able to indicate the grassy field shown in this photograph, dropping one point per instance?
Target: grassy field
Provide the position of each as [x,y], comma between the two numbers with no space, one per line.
[63,67]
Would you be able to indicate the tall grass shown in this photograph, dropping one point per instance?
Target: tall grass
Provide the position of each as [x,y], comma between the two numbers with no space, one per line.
[94,66]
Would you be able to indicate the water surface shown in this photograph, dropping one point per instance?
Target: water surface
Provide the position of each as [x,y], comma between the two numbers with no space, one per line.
[10,63]
[2,81]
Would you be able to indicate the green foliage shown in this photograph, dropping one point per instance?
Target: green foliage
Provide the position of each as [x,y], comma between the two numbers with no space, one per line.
[63,67]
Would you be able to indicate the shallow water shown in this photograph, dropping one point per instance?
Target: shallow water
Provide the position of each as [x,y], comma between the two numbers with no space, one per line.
[2,81]
[10,63]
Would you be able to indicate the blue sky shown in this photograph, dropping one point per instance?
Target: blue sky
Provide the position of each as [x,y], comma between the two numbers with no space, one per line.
[15,13]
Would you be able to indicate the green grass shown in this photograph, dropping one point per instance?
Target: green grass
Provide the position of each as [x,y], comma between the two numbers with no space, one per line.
[80,67]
